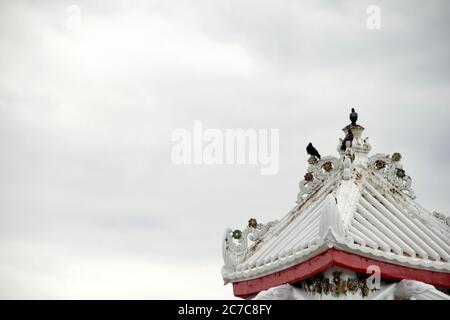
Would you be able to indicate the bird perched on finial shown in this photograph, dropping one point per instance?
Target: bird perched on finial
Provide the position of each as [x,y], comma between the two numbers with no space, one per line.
[353,116]
[348,137]
[312,151]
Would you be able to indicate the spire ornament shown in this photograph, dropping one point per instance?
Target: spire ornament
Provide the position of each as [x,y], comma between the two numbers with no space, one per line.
[353,139]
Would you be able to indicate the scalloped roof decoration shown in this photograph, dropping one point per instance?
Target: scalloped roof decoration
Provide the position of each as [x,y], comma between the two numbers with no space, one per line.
[359,204]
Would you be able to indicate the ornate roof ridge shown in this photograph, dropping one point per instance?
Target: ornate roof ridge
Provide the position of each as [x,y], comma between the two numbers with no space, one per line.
[355,202]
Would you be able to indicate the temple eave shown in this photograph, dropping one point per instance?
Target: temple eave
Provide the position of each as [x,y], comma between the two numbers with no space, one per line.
[340,258]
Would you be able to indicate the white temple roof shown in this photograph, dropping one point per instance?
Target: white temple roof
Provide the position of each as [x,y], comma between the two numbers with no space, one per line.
[356,204]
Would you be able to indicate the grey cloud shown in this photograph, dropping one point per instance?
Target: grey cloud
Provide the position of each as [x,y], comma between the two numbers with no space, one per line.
[86,118]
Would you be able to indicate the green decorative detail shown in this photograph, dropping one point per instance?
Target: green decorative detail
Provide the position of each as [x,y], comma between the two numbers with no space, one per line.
[237,234]
[401,173]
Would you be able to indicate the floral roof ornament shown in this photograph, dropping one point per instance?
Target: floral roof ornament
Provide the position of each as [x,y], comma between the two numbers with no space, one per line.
[237,234]
[309,177]
[317,174]
[401,173]
[392,171]
[237,243]
[396,157]
[380,164]
[327,166]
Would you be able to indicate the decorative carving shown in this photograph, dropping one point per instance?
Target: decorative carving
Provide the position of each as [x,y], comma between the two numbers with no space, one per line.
[336,286]
[359,145]
[236,243]
[337,277]
[442,218]
[316,175]
[391,169]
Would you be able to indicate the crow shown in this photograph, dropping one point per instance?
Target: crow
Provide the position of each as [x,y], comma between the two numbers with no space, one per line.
[353,117]
[348,137]
[312,151]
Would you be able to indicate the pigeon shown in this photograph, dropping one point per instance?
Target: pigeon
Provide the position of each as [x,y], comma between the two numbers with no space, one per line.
[353,116]
[348,137]
[312,151]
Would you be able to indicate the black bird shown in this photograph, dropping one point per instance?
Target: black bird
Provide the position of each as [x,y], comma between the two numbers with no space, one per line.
[312,151]
[348,137]
[353,116]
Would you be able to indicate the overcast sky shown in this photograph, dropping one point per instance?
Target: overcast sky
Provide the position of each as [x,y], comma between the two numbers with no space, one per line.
[91,205]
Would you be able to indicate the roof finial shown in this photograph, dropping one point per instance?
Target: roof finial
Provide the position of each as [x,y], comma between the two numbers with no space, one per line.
[353,140]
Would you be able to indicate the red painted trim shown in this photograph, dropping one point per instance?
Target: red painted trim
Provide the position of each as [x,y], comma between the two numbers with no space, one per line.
[334,257]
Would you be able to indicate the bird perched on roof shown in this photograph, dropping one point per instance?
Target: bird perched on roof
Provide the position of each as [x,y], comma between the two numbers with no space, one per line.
[312,151]
[348,137]
[353,116]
